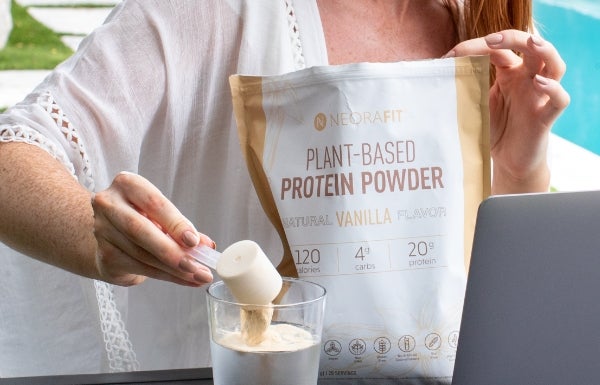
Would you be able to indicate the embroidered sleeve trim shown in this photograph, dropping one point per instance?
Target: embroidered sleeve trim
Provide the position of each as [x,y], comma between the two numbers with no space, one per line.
[295,40]
[119,349]
[24,134]
[70,133]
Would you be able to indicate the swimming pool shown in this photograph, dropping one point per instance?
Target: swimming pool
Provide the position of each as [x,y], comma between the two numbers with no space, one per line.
[573,27]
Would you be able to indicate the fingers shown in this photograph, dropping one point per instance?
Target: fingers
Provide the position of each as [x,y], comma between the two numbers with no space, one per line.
[537,62]
[504,45]
[554,66]
[490,45]
[128,264]
[140,232]
[542,63]
[112,263]
[538,55]
[558,98]
[149,200]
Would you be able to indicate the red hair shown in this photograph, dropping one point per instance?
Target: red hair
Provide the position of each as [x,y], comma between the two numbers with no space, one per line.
[486,16]
[482,17]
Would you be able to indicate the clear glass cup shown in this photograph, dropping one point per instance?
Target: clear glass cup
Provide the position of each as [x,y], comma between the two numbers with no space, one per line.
[290,352]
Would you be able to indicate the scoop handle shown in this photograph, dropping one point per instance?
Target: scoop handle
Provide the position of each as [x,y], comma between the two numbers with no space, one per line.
[205,255]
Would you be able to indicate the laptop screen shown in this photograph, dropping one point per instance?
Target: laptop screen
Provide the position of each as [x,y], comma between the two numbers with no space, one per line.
[532,305]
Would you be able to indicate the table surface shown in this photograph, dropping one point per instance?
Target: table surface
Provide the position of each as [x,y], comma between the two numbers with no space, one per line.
[200,376]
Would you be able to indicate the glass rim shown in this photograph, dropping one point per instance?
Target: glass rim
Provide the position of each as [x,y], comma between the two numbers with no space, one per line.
[320,297]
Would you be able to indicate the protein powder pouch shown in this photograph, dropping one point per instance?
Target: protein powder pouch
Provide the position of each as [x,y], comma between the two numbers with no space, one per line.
[372,174]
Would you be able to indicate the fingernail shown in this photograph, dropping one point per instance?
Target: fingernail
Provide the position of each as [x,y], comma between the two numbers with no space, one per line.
[449,54]
[535,39]
[207,241]
[201,273]
[189,265]
[190,238]
[494,38]
[203,276]
[541,80]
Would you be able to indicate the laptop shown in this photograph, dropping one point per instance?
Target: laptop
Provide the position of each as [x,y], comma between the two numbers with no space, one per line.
[532,303]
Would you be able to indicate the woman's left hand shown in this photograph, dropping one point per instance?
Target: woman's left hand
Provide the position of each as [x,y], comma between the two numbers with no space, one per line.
[525,100]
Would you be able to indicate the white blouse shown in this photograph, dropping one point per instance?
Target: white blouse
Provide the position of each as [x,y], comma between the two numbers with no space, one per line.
[147,92]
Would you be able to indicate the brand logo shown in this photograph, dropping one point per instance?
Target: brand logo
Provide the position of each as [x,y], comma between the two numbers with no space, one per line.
[320,121]
[356,118]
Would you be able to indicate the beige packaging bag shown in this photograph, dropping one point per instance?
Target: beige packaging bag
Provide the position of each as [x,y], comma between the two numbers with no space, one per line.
[372,174]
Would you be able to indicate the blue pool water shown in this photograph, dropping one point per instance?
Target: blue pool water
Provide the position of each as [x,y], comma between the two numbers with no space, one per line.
[573,26]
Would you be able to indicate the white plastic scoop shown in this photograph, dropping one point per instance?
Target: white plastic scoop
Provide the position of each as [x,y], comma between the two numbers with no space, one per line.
[205,255]
[245,269]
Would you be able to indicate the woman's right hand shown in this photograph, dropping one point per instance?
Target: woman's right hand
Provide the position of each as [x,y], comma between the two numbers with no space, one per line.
[140,234]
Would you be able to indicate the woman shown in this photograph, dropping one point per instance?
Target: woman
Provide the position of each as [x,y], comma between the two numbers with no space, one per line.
[147,93]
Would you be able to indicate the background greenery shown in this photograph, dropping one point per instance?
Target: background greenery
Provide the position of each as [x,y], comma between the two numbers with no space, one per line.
[31,45]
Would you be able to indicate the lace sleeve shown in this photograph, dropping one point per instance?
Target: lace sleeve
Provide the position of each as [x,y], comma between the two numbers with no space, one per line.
[19,131]
[70,133]
[119,350]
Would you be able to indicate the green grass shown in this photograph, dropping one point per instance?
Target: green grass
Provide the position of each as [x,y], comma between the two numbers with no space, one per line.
[31,45]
